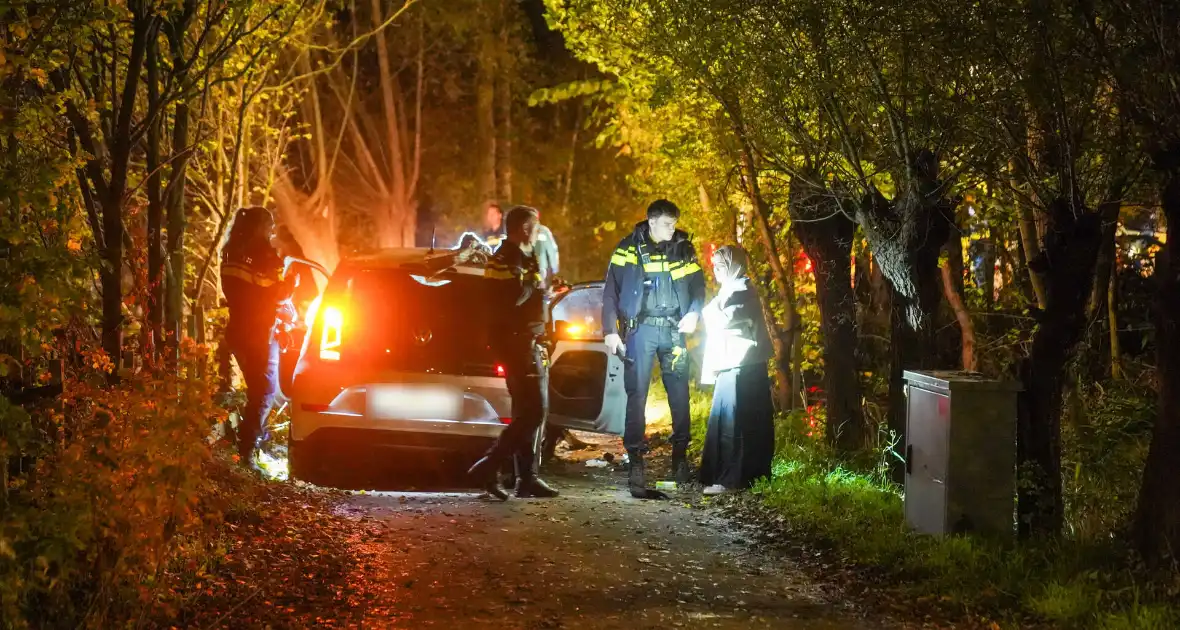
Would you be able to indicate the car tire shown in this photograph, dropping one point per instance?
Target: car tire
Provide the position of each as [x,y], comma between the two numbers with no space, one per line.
[303,463]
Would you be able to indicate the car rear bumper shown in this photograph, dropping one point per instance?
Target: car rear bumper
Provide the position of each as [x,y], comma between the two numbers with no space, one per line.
[306,425]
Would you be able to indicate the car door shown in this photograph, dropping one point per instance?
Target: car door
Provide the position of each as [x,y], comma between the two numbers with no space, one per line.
[586,390]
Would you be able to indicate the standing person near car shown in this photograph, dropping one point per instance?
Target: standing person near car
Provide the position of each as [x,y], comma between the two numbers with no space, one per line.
[653,297]
[547,255]
[255,291]
[518,323]
[739,442]
[493,225]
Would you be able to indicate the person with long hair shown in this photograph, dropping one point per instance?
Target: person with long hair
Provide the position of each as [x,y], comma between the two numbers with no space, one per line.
[254,288]
[739,441]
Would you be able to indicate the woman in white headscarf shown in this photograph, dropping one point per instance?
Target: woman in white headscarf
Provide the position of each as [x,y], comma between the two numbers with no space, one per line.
[739,442]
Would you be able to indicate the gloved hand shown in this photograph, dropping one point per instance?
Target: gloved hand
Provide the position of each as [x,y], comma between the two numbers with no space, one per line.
[614,344]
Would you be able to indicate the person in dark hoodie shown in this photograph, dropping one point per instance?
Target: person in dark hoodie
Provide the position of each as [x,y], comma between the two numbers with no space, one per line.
[251,278]
[653,297]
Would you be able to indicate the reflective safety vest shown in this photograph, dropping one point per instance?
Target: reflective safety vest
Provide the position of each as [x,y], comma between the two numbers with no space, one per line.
[633,279]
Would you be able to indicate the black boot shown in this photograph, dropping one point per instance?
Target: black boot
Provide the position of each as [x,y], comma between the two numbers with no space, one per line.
[485,473]
[680,470]
[533,487]
[637,479]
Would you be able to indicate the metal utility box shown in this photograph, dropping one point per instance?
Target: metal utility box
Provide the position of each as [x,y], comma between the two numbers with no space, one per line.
[960,453]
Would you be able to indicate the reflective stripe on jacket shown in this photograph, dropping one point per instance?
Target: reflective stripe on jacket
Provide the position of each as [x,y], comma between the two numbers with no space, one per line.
[622,297]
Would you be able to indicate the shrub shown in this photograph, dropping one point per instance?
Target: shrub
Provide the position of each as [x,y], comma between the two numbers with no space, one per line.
[118,477]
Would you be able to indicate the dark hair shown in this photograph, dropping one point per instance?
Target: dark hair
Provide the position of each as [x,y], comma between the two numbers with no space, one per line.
[246,234]
[517,216]
[662,208]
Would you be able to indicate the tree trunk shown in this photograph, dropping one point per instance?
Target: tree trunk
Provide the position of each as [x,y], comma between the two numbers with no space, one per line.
[153,333]
[177,224]
[1102,327]
[782,286]
[1071,250]
[503,96]
[569,165]
[966,328]
[988,283]
[485,112]
[1157,518]
[827,236]
[906,236]
[120,143]
[1032,250]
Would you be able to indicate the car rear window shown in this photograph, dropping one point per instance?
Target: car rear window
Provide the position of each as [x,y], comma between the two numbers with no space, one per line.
[402,321]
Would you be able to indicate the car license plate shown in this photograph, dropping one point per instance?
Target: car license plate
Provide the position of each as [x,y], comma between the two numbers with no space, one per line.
[414,402]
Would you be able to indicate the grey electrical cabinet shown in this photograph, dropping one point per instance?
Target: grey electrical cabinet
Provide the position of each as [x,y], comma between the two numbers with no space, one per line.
[960,453]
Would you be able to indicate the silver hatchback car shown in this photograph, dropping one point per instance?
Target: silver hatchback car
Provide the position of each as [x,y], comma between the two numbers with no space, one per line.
[397,364]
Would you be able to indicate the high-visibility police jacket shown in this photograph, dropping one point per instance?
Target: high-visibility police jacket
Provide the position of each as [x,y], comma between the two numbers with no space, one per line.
[519,300]
[254,289]
[636,259]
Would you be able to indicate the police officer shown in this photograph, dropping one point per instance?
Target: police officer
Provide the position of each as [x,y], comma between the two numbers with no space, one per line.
[654,294]
[519,321]
[255,291]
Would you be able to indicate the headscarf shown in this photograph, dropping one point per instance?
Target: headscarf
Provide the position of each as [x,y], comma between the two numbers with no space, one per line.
[736,263]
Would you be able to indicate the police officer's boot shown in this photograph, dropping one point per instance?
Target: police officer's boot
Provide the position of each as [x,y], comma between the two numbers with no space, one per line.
[528,485]
[637,479]
[485,472]
[680,470]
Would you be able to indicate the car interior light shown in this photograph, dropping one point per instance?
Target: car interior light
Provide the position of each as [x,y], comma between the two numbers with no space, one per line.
[330,338]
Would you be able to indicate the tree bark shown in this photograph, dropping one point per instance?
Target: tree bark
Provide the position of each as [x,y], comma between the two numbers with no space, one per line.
[1032,250]
[177,225]
[1103,327]
[153,333]
[1157,517]
[1070,252]
[485,111]
[762,212]
[504,97]
[966,328]
[119,144]
[827,234]
[906,236]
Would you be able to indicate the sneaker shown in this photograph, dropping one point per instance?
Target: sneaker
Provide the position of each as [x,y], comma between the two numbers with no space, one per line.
[715,490]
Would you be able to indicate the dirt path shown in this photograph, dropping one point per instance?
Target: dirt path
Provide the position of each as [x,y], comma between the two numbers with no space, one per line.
[594,558]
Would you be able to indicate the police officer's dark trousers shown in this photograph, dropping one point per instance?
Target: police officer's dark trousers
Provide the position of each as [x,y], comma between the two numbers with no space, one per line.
[645,345]
[527,379]
[257,354]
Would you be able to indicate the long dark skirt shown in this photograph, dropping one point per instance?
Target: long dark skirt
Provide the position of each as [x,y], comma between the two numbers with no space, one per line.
[739,443]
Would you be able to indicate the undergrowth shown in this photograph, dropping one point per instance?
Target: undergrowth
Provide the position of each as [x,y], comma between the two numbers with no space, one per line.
[1089,579]
[107,487]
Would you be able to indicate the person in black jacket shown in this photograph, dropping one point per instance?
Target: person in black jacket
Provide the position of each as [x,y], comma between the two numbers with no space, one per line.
[653,297]
[251,278]
[518,319]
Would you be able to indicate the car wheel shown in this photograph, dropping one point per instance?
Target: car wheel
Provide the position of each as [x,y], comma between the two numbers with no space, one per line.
[303,463]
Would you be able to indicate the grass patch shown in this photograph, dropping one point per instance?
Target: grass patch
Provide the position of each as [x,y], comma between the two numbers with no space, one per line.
[1071,583]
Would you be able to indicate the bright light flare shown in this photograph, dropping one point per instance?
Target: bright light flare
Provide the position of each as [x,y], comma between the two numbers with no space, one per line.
[332,335]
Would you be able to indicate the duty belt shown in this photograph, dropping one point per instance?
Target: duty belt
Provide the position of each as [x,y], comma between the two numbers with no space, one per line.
[663,321]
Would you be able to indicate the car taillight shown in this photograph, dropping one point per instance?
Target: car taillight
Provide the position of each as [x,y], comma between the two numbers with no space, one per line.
[500,370]
[332,333]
